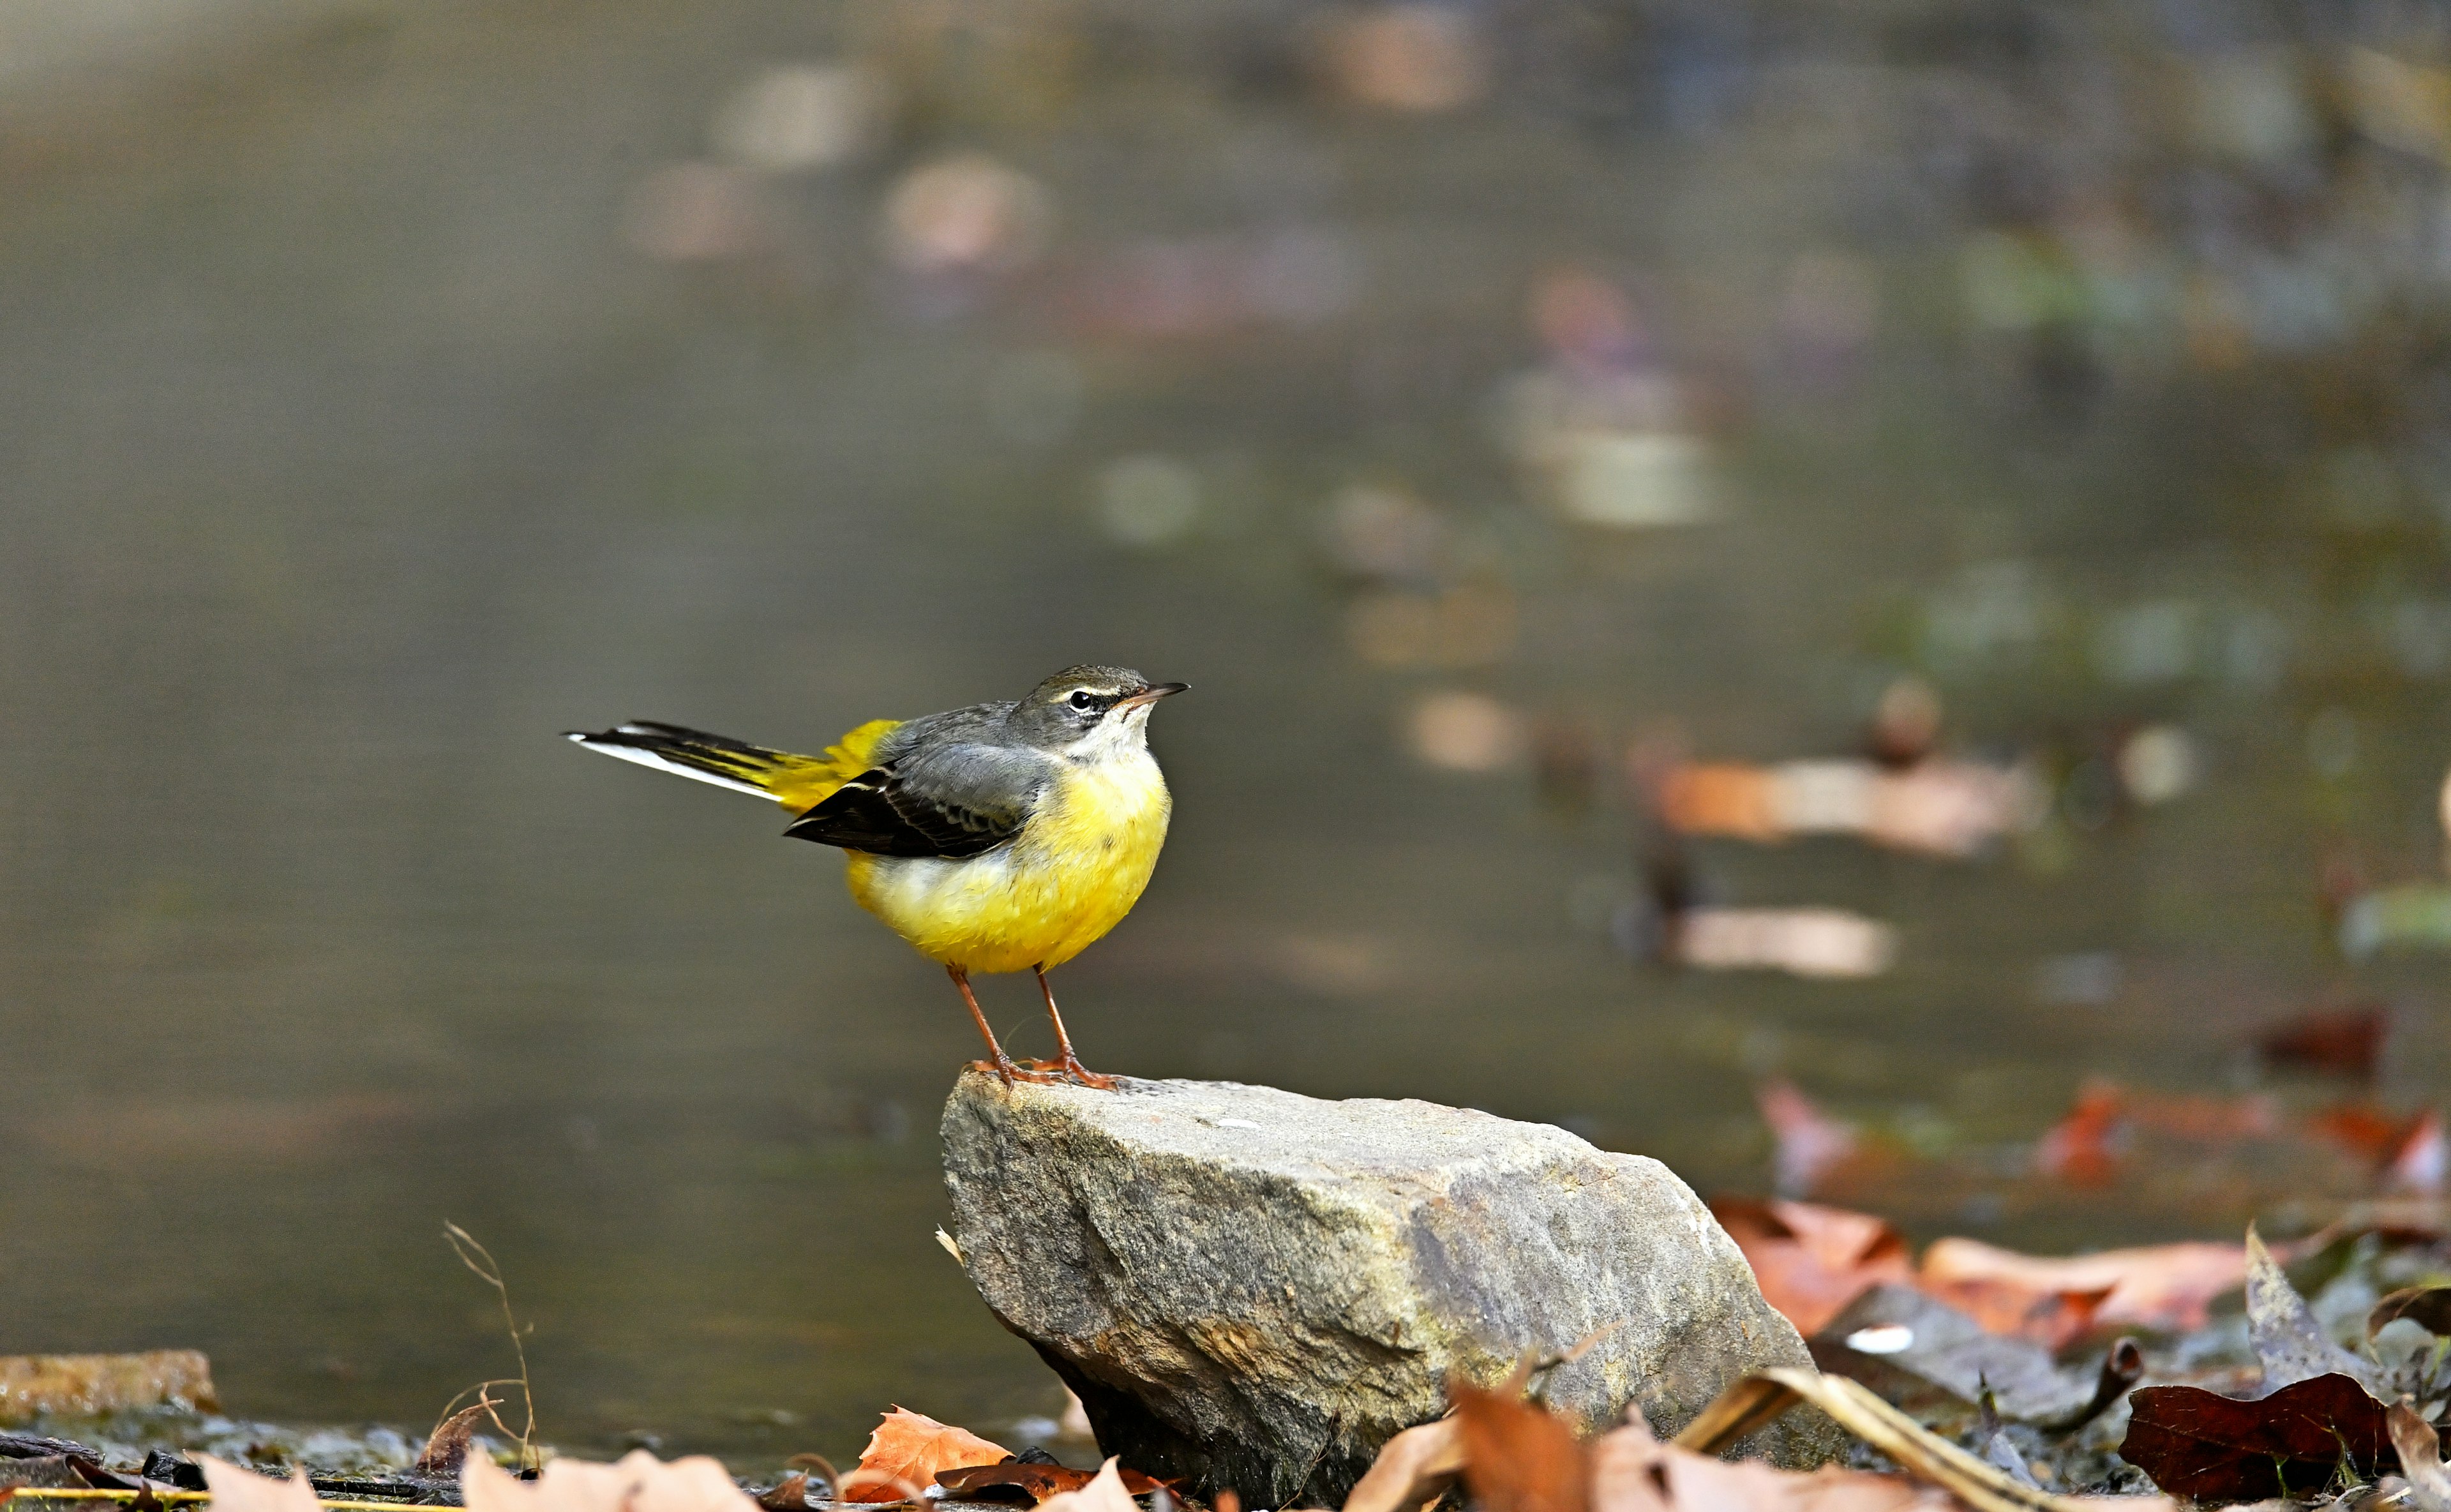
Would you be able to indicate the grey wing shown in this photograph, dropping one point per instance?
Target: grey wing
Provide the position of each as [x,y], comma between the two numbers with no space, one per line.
[943,798]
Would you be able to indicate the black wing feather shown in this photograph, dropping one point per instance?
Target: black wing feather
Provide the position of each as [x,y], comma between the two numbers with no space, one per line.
[878,813]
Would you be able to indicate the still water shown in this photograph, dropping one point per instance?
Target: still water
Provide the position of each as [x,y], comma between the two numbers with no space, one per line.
[395,388]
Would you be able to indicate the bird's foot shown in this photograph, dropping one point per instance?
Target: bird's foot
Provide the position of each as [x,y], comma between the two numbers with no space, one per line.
[1012,1072]
[1070,1070]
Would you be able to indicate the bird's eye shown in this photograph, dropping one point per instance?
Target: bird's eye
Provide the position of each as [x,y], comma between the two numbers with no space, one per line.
[1081,698]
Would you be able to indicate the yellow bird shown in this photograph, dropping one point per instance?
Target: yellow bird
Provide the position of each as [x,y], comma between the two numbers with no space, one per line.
[1000,837]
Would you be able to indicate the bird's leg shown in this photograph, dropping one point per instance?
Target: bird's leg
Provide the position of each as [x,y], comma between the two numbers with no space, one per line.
[998,1061]
[1067,1062]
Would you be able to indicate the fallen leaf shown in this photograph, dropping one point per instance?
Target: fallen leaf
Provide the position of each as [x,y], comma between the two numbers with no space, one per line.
[1809,1144]
[237,1490]
[2420,1457]
[2363,1130]
[2161,1286]
[2054,1320]
[790,1495]
[1517,1457]
[1105,1493]
[2086,1147]
[2215,1448]
[1412,1470]
[2290,1343]
[1812,1261]
[2429,1307]
[2348,1041]
[1894,1327]
[1029,1482]
[448,1447]
[636,1482]
[912,1448]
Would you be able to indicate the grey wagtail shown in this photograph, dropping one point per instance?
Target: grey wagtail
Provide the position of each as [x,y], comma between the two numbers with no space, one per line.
[1000,837]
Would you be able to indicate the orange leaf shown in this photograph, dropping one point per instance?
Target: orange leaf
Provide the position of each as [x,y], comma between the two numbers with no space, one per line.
[2164,1286]
[1517,1457]
[1809,1260]
[912,1447]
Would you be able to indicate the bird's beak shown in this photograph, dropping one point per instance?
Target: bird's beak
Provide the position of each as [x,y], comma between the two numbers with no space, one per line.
[1151,693]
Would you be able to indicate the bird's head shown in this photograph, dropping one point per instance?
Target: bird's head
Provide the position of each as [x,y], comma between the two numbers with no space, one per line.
[1084,711]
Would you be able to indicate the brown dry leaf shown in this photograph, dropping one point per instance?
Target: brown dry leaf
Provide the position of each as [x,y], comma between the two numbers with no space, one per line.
[637,1483]
[1812,1261]
[2162,1287]
[448,1448]
[237,1490]
[1105,1493]
[1412,1469]
[791,1494]
[1518,1458]
[2429,1307]
[2420,1457]
[911,1449]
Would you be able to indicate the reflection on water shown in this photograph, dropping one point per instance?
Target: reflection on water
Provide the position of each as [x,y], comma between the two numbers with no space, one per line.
[1484,421]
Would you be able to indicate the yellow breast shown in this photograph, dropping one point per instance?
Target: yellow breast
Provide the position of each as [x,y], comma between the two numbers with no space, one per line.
[1075,870]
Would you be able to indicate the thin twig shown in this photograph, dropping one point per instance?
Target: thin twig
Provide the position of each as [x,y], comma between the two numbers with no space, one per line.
[463,1243]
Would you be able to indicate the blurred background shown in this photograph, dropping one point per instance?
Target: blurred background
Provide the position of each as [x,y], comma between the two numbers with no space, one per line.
[1531,427]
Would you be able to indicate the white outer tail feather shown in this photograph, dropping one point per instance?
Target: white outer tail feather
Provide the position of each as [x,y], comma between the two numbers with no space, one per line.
[649,758]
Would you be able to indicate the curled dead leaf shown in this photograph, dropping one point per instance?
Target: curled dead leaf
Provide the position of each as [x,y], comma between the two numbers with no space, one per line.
[2420,1457]
[907,1451]
[449,1446]
[1517,1457]
[2429,1307]
[1810,1260]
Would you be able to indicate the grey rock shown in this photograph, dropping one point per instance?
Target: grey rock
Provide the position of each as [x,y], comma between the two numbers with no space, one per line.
[1254,1289]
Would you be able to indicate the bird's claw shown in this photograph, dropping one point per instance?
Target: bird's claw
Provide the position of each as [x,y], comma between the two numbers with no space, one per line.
[1012,1072]
[1070,1070]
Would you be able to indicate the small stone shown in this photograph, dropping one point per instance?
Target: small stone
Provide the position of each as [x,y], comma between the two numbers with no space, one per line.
[84,1384]
[1253,1290]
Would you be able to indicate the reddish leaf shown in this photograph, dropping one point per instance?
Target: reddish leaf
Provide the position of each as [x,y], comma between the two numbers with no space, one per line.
[1015,1480]
[1810,1144]
[2215,1448]
[1809,1260]
[2348,1041]
[911,1447]
[2086,1147]
[2364,1129]
[2162,1287]
[2053,1319]
[1517,1458]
